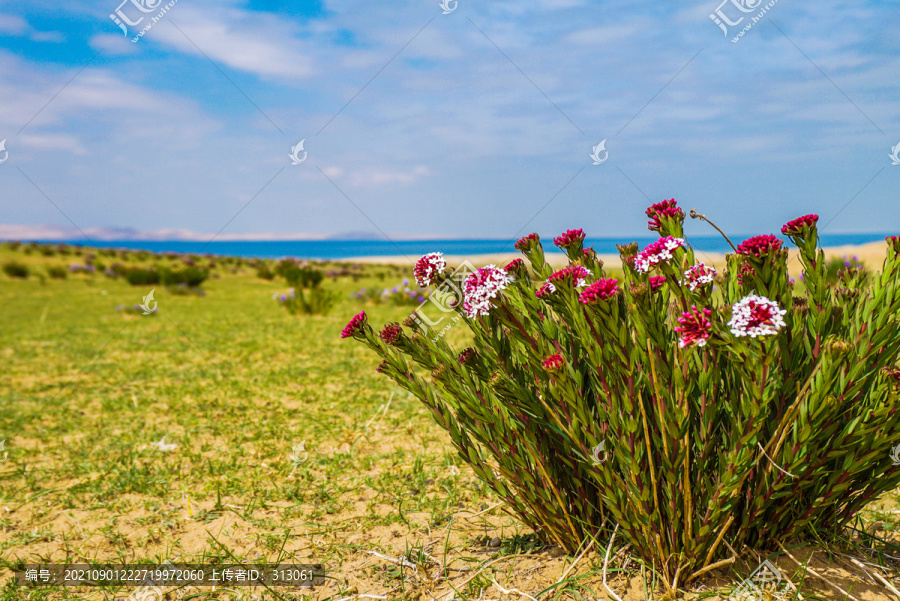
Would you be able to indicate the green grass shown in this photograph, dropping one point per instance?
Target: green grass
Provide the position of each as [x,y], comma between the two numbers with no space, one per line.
[235,382]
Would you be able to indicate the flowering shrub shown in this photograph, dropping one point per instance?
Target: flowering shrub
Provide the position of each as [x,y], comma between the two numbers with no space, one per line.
[316,301]
[77,268]
[401,294]
[741,417]
[838,268]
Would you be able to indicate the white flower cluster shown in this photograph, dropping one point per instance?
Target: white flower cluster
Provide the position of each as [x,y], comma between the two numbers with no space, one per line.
[656,253]
[429,266]
[699,275]
[756,316]
[481,286]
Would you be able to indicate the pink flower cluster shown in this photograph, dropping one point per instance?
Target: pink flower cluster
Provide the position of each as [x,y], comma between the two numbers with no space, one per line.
[656,282]
[576,274]
[759,246]
[526,242]
[699,275]
[756,316]
[568,238]
[795,227]
[356,325]
[666,208]
[427,267]
[391,333]
[545,290]
[481,286]
[516,267]
[656,252]
[553,362]
[694,327]
[603,289]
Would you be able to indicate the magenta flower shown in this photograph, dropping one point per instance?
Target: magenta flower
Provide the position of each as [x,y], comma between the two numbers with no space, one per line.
[576,274]
[568,238]
[694,327]
[759,246]
[427,267]
[699,275]
[756,316]
[602,289]
[894,242]
[656,282]
[747,272]
[666,208]
[355,326]
[656,252]
[391,333]
[553,362]
[527,242]
[796,227]
[466,355]
[545,290]
[481,286]
[516,266]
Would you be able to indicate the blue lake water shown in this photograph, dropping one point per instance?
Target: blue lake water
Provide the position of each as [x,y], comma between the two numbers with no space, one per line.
[343,249]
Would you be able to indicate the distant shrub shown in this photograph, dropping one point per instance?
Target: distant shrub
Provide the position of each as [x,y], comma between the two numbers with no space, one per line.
[47,251]
[316,301]
[303,277]
[15,270]
[86,269]
[14,245]
[189,276]
[57,273]
[137,276]
[835,266]
[264,272]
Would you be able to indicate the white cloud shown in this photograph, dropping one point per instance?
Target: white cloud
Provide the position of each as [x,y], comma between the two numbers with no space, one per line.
[112,44]
[258,43]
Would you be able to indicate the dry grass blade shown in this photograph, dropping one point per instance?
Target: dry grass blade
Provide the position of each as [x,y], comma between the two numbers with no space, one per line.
[606,564]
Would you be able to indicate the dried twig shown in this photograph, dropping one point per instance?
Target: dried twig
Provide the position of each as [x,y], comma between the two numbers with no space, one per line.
[606,563]
[696,215]
[574,563]
[511,591]
[812,572]
[470,578]
[877,576]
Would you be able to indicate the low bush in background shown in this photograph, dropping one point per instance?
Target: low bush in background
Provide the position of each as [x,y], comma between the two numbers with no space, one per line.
[15,270]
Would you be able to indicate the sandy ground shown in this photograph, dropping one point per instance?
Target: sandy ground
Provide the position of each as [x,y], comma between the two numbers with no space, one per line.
[871,254]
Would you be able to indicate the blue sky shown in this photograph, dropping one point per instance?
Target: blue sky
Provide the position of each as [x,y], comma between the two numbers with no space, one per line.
[464,124]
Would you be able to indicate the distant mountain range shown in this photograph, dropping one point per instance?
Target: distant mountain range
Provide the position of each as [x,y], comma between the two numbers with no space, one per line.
[56,232]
